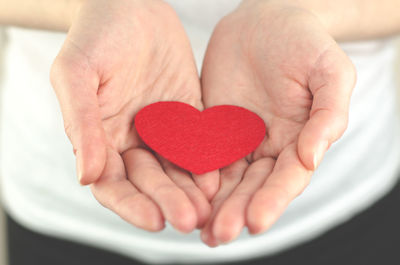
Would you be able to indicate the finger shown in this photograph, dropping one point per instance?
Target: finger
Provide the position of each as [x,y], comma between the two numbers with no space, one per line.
[331,83]
[287,180]
[184,181]
[146,173]
[230,219]
[114,191]
[230,178]
[76,86]
[208,183]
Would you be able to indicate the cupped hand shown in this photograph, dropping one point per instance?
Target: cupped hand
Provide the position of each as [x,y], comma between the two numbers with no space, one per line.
[118,57]
[279,61]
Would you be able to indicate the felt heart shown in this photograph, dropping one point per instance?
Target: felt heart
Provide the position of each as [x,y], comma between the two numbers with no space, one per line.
[199,141]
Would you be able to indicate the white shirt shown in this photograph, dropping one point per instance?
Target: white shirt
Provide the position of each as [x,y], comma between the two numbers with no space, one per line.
[41,191]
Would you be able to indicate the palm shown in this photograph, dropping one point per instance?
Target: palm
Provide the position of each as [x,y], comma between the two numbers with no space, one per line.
[275,70]
[129,56]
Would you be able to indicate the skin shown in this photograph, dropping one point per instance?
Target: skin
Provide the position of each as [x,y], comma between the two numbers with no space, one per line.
[280,62]
[117,58]
[276,58]
[56,15]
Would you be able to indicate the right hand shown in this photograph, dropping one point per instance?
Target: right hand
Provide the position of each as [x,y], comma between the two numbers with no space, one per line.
[274,58]
[120,56]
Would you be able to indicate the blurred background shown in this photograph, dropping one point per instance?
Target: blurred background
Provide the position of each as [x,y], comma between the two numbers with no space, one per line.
[3,256]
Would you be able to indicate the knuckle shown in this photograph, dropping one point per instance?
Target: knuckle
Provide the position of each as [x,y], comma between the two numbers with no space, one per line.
[60,72]
[67,69]
[68,129]
[189,188]
[69,132]
[119,204]
[98,196]
[165,189]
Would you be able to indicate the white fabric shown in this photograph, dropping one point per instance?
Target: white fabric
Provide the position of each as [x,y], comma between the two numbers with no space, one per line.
[41,191]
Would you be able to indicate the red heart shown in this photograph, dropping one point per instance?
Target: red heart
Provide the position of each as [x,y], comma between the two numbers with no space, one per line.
[199,141]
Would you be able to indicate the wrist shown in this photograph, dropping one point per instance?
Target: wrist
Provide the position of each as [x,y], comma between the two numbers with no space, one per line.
[46,14]
[319,10]
[343,20]
[72,10]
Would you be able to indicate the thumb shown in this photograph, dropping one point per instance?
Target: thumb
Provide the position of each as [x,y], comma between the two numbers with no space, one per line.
[76,87]
[331,83]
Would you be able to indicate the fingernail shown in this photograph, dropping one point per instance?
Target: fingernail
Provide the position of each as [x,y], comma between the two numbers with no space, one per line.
[204,237]
[80,177]
[79,171]
[319,153]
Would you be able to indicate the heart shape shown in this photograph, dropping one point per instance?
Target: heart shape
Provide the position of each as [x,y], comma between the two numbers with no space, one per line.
[199,141]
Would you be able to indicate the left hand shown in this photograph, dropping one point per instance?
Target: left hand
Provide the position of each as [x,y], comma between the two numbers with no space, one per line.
[278,61]
[118,57]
